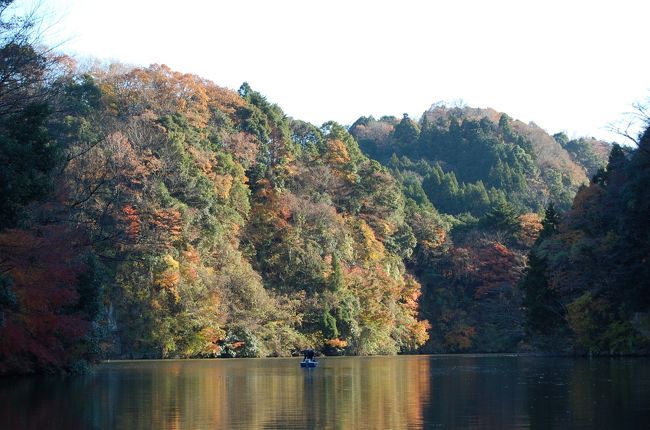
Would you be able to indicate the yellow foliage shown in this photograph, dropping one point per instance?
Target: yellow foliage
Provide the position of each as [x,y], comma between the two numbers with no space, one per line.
[109,97]
[531,225]
[204,160]
[420,332]
[210,337]
[223,185]
[371,249]
[338,152]
[171,262]
[170,276]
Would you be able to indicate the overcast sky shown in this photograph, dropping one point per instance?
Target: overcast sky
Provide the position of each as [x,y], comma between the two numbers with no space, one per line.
[567,65]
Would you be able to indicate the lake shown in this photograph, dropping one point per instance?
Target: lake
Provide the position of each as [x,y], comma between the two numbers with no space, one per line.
[450,391]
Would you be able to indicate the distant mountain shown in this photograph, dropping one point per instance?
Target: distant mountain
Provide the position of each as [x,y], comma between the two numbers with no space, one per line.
[467,159]
[590,153]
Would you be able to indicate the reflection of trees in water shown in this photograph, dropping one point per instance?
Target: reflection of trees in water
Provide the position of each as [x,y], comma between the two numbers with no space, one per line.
[44,403]
[609,393]
[476,392]
[375,392]
[342,393]
[379,392]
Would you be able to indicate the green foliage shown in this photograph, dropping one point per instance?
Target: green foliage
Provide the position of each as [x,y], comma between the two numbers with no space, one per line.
[588,263]
[406,132]
[330,331]
[27,156]
[584,151]
[336,282]
[467,162]
[502,217]
[269,125]
[544,312]
[550,222]
[210,224]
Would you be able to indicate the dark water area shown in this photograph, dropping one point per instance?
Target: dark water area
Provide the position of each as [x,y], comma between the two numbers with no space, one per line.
[429,392]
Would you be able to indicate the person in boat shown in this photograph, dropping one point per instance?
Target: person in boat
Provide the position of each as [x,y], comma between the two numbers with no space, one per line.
[308,354]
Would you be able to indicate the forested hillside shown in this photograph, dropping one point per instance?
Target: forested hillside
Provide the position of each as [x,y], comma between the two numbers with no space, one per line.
[480,181]
[196,221]
[467,160]
[149,213]
[587,286]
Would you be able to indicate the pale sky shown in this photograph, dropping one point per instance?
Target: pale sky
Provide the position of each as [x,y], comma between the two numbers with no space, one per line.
[568,65]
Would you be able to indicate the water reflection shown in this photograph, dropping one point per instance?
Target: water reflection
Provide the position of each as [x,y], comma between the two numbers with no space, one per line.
[482,392]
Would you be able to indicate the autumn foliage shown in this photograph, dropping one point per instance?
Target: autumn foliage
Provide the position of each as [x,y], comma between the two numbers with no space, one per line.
[154,214]
[587,281]
[43,324]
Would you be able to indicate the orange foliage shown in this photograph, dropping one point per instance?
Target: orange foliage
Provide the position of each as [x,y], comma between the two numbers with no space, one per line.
[420,332]
[168,221]
[164,91]
[204,160]
[337,154]
[191,255]
[498,266]
[222,99]
[132,220]
[123,160]
[411,293]
[438,239]
[168,279]
[460,338]
[242,146]
[337,343]
[531,225]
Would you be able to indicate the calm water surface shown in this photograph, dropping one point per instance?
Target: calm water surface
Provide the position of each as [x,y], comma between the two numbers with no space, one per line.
[461,392]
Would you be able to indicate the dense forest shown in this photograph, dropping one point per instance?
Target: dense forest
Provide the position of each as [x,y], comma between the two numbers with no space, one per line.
[149,213]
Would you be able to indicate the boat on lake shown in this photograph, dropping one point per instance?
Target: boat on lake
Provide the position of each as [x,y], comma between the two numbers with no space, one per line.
[308,363]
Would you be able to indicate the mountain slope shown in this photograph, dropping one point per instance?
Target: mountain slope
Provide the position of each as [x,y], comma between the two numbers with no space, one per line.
[477,154]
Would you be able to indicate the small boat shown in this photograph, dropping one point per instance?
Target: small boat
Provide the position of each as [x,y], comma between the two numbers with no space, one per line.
[308,363]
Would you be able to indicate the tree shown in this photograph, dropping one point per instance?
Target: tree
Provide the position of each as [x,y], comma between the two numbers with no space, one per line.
[544,309]
[503,216]
[24,69]
[406,132]
[550,222]
[336,282]
[27,153]
[43,327]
